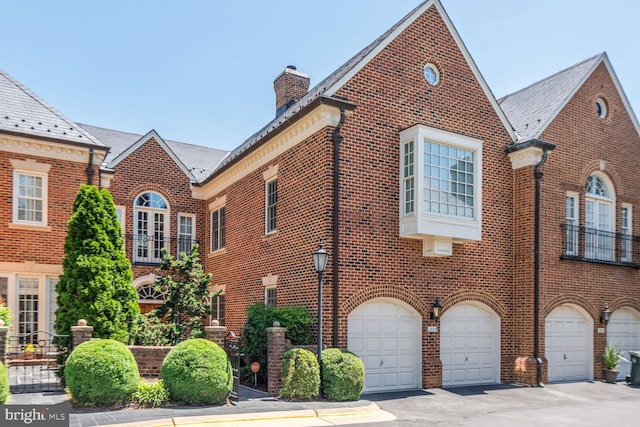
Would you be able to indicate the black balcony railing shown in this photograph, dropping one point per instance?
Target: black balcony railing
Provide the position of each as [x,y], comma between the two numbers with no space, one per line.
[605,247]
[147,249]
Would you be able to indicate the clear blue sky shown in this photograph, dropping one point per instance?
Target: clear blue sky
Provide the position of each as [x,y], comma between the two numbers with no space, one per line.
[201,71]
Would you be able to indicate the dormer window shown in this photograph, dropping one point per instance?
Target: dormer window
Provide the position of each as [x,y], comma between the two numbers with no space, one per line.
[441,176]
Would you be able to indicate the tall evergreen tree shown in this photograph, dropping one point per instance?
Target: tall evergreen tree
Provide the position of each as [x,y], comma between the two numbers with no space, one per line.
[186,292]
[96,283]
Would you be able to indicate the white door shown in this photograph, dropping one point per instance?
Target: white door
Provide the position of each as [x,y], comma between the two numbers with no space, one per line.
[386,335]
[623,330]
[568,345]
[470,345]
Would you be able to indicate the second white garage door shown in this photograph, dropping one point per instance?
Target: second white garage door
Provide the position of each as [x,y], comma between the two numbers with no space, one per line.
[470,345]
[623,331]
[385,334]
[568,345]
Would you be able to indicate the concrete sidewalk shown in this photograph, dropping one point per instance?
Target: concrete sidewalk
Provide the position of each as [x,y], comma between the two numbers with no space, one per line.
[254,409]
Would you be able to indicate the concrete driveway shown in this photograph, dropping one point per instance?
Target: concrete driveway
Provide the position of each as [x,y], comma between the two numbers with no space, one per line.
[567,404]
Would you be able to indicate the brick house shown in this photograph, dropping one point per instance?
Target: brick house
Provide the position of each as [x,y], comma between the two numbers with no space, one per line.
[44,157]
[512,215]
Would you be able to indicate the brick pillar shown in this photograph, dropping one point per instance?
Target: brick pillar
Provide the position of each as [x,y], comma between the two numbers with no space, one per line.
[215,333]
[81,333]
[275,351]
[4,339]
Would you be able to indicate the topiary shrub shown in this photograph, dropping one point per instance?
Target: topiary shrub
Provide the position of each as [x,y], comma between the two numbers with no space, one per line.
[4,383]
[197,372]
[300,375]
[101,373]
[342,375]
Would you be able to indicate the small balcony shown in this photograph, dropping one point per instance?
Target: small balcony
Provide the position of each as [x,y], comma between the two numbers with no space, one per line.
[147,249]
[598,246]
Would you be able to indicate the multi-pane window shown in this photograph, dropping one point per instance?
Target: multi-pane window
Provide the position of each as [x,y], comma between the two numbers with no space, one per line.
[408,180]
[218,229]
[272,206]
[270,295]
[28,307]
[449,180]
[29,198]
[571,219]
[626,243]
[599,226]
[52,302]
[151,233]
[217,309]
[186,233]
[4,290]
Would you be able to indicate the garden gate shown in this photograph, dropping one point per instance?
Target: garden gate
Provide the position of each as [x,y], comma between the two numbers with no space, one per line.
[34,360]
[232,347]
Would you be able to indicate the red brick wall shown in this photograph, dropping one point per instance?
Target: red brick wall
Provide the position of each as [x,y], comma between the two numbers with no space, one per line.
[391,94]
[583,139]
[44,247]
[150,168]
[149,359]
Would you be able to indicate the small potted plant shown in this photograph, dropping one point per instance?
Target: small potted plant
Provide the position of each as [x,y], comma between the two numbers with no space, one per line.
[29,349]
[610,358]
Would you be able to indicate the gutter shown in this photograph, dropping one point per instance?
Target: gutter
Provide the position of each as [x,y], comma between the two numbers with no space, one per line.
[337,139]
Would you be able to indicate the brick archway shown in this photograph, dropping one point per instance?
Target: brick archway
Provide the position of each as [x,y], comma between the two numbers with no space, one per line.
[473,295]
[387,291]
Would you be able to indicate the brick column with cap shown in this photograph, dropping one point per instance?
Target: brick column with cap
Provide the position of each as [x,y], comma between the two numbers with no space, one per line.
[275,351]
[81,333]
[215,333]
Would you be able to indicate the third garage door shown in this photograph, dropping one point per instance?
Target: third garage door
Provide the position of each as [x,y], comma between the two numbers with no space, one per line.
[623,331]
[568,345]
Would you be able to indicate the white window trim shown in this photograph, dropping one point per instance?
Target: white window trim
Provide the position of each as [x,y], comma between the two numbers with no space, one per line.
[267,231]
[438,232]
[627,231]
[216,211]
[32,168]
[266,292]
[193,229]
[167,225]
[576,221]
[593,251]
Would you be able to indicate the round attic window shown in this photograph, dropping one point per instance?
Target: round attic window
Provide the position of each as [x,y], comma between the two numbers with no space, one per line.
[601,108]
[431,74]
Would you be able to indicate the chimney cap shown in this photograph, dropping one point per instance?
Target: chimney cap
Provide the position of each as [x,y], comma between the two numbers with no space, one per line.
[291,67]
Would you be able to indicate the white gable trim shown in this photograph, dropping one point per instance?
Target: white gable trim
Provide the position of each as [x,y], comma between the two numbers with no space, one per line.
[152,134]
[454,33]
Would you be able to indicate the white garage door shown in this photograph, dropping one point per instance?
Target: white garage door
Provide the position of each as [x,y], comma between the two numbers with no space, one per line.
[568,345]
[470,345]
[386,335]
[623,330]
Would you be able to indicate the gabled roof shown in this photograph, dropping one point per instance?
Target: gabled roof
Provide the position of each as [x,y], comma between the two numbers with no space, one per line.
[532,109]
[196,161]
[330,85]
[23,112]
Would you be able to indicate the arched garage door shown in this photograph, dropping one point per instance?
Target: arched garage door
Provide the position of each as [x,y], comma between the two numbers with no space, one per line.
[623,330]
[569,344]
[386,335]
[470,345]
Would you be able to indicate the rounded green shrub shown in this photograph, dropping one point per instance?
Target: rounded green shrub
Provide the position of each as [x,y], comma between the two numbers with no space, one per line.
[300,375]
[197,372]
[342,375]
[4,383]
[101,373]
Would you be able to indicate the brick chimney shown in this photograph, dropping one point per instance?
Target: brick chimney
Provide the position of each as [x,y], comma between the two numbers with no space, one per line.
[290,86]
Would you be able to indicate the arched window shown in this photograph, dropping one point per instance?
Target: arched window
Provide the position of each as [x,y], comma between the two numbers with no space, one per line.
[151,227]
[599,217]
[149,298]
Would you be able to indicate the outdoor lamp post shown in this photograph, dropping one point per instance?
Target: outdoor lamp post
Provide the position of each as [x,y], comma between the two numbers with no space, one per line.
[320,258]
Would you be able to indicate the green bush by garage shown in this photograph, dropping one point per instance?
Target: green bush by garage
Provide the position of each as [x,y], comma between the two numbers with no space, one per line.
[101,373]
[342,375]
[300,375]
[197,372]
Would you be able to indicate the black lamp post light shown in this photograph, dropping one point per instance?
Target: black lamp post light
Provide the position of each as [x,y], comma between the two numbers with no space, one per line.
[606,313]
[320,258]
